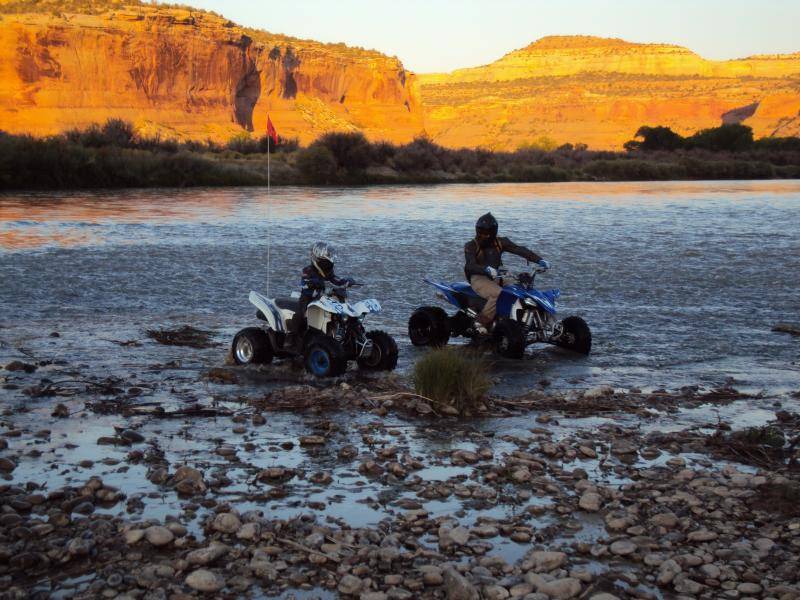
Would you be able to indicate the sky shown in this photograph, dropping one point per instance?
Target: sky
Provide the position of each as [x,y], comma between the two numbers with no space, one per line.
[438,35]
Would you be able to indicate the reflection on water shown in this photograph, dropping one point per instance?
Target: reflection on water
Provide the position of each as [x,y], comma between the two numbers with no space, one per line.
[681,282]
[19,212]
[36,237]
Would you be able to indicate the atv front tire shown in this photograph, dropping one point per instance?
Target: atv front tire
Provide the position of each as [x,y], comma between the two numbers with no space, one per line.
[429,326]
[384,353]
[251,346]
[576,336]
[509,339]
[324,357]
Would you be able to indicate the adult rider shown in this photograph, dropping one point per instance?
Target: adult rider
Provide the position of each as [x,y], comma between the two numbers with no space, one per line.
[484,257]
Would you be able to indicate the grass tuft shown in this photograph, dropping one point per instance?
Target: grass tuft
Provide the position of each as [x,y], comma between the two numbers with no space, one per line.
[452,376]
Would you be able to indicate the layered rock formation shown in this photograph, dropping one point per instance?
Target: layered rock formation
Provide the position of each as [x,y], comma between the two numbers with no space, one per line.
[191,74]
[600,91]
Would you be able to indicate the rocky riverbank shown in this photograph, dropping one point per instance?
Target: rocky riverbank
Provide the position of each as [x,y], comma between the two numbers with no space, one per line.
[361,489]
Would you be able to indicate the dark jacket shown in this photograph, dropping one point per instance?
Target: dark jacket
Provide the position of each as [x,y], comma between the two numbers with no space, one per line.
[478,258]
[312,282]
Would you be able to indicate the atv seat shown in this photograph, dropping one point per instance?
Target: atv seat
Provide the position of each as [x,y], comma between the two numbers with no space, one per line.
[292,304]
[467,297]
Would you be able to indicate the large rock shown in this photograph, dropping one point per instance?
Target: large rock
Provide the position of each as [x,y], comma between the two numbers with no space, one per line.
[667,571]
[495,592]
[457,587]
[431,575]
[749,589]
[665,519]
[205,581]
[685,585]
[543,561]
[450,537]
[350,585]
[623,547]
[226,523]
[133,536]
[702,536]
[207,555]
[189,481]
[590,501]
[561,589]
[158,536]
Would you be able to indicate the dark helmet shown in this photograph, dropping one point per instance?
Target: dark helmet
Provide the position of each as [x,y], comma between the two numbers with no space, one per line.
[323,256]
[486,227]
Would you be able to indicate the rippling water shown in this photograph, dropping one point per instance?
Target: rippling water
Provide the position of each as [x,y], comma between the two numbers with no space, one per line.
[680,282]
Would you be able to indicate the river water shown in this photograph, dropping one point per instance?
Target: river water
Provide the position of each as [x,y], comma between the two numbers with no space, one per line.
[680,282]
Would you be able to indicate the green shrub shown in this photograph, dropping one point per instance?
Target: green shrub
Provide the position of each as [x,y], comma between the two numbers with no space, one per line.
[634,170]
[419,155]
[534,173]
[243,143]
[317,164]
[351,151]
[543,143]
[656,138]
[383,152]
[778,143]
[115,132]
[452,376]
[760,436]
[56,163]
[727,169]
[732,137]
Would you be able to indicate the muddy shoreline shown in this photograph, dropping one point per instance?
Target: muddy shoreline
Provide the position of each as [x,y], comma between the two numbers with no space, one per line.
[164,482]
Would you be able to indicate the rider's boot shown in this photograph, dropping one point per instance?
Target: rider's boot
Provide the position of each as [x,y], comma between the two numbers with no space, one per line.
[483,323]
[293,342]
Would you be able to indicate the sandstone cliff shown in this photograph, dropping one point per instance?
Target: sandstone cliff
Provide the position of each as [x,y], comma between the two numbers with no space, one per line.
[599,91]
[192,74]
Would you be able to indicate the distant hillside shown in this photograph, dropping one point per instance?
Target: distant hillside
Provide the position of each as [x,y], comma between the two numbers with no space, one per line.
[599,91]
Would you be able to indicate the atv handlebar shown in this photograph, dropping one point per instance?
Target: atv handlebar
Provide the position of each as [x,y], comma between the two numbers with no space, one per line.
[525,277]
[341,290]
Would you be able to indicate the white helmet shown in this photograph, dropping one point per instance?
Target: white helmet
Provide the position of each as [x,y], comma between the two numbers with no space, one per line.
[323,256]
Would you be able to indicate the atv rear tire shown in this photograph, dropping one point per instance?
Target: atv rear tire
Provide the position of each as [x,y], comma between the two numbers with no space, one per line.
[509,339]
[324,357]
[576,336]
[251,346]
[429,326]
[384,353]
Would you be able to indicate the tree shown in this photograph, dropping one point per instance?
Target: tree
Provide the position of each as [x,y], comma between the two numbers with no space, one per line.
[655,138]
[733,137]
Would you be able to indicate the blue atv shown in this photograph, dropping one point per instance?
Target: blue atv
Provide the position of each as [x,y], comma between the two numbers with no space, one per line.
[525,316]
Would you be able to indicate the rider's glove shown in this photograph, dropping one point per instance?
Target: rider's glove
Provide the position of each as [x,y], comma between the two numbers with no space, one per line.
[348,281]
[491,272]
[543,263]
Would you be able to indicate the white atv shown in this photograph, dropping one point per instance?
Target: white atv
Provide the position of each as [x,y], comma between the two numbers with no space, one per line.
[334,336]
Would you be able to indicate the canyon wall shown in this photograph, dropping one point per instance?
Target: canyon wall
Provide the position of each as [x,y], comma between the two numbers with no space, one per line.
[191,74]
